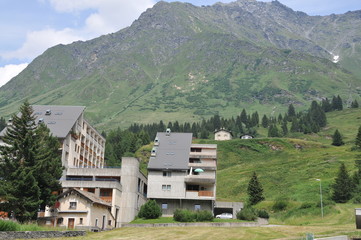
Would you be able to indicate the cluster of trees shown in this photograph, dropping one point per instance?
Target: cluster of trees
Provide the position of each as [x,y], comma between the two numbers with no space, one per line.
[310,121]
[30,166]
[242,124]
[123,143]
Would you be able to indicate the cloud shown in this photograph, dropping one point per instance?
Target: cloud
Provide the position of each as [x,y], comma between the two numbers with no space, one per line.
[9,71]
[108,15]
[103,17]
[38,41]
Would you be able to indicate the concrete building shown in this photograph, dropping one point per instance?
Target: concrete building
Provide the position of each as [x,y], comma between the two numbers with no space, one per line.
[81,145]
[182,174]
[222,135]
[125,188]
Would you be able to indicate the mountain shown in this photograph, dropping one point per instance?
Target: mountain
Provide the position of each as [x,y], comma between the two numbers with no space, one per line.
[182,62]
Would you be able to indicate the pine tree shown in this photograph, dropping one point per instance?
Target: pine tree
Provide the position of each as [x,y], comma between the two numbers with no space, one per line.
[326,105]
[342,188]
[254,190]
[31,165]
[243,117]
[48,167]
[284,128]
[265,121]
[337,139]
[291,112]
[273,131]
[317,114]
[358,139]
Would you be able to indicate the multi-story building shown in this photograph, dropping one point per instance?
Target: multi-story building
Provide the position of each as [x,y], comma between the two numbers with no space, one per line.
[182,174]
[81,145]
[82,155]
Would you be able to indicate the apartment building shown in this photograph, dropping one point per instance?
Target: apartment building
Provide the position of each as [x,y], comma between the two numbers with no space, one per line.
[81,145]
[182,174]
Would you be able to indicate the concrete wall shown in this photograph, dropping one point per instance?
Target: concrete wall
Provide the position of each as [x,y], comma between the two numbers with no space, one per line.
[222,135]
[40,234]
[176,181]
[131,198]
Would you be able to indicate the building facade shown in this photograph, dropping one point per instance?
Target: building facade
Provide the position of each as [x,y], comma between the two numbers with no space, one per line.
[81,146]
[222,135]
[182,174]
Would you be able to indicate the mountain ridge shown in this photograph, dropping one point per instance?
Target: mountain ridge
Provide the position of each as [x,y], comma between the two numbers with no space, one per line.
[179,60]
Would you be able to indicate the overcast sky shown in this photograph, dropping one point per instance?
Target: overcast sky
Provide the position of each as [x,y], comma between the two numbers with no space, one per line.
[30,27]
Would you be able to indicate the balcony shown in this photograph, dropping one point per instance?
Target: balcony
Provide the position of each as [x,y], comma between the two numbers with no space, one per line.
[203,155]
[199,194]
[200,179]
[208,165]
[107,199]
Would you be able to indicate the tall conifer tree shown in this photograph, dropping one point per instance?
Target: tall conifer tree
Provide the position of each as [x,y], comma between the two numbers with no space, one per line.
[255,190]
[342,188]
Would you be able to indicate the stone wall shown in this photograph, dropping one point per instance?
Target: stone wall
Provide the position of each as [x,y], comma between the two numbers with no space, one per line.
[40,234]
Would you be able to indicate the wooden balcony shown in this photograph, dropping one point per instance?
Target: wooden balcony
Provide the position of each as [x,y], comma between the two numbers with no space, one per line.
[106,198]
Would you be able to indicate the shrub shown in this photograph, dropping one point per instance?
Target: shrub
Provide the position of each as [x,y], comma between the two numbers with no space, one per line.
[280,205]
[184,215]
[204,216]
[8,226]
[150,210]
[262,213]
[306,205]
[247,213]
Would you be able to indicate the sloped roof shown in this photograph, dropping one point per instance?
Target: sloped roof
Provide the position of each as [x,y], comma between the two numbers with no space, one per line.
[61,119]
[87,195]
[172,151]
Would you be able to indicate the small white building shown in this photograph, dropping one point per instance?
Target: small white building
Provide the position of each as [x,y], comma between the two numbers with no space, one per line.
[222,135]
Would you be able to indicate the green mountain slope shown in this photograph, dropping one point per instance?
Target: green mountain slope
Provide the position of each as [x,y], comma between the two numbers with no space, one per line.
[178,61]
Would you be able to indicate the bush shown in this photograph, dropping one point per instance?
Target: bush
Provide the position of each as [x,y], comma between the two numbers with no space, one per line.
[184,215]
[150,210]
[247,213]
[204,216]
[306,205]
[263,213]
[8,226]
[280,205]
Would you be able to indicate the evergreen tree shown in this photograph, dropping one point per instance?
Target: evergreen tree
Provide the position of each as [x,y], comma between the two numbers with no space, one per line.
[273,131]
[264,121]
[358,139]
[254,190]
[337,139]
[291,112]
[284,128]
[243,117]
[317,114]
[354,104]
[337,103]
[48,167]
[295,127]
[342,188]
[326,105]
[30,167]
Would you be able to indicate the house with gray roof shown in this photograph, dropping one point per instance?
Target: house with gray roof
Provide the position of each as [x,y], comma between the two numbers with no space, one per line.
[82,146]
[182,174]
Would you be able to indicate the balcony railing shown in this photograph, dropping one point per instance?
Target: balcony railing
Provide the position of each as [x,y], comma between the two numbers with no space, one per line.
[106,198]
[202,155]
[200,179]
[199,194]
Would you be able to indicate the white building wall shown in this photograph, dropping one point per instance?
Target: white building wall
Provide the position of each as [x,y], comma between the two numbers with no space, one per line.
[156,180]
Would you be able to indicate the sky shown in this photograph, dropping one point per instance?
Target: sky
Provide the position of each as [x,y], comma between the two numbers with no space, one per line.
[30,27]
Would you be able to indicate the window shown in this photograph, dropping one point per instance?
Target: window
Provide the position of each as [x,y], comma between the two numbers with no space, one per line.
[166,187]
[167,174]
[164,205]
[109,222]
[80,220]
[96,222]
[72,205]
[197,207]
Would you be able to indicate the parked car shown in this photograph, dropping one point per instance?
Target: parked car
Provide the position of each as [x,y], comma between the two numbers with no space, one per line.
[225,216]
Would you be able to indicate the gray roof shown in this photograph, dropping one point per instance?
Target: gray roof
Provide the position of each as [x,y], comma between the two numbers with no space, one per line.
[88,195]
[172,151]
[61,119]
